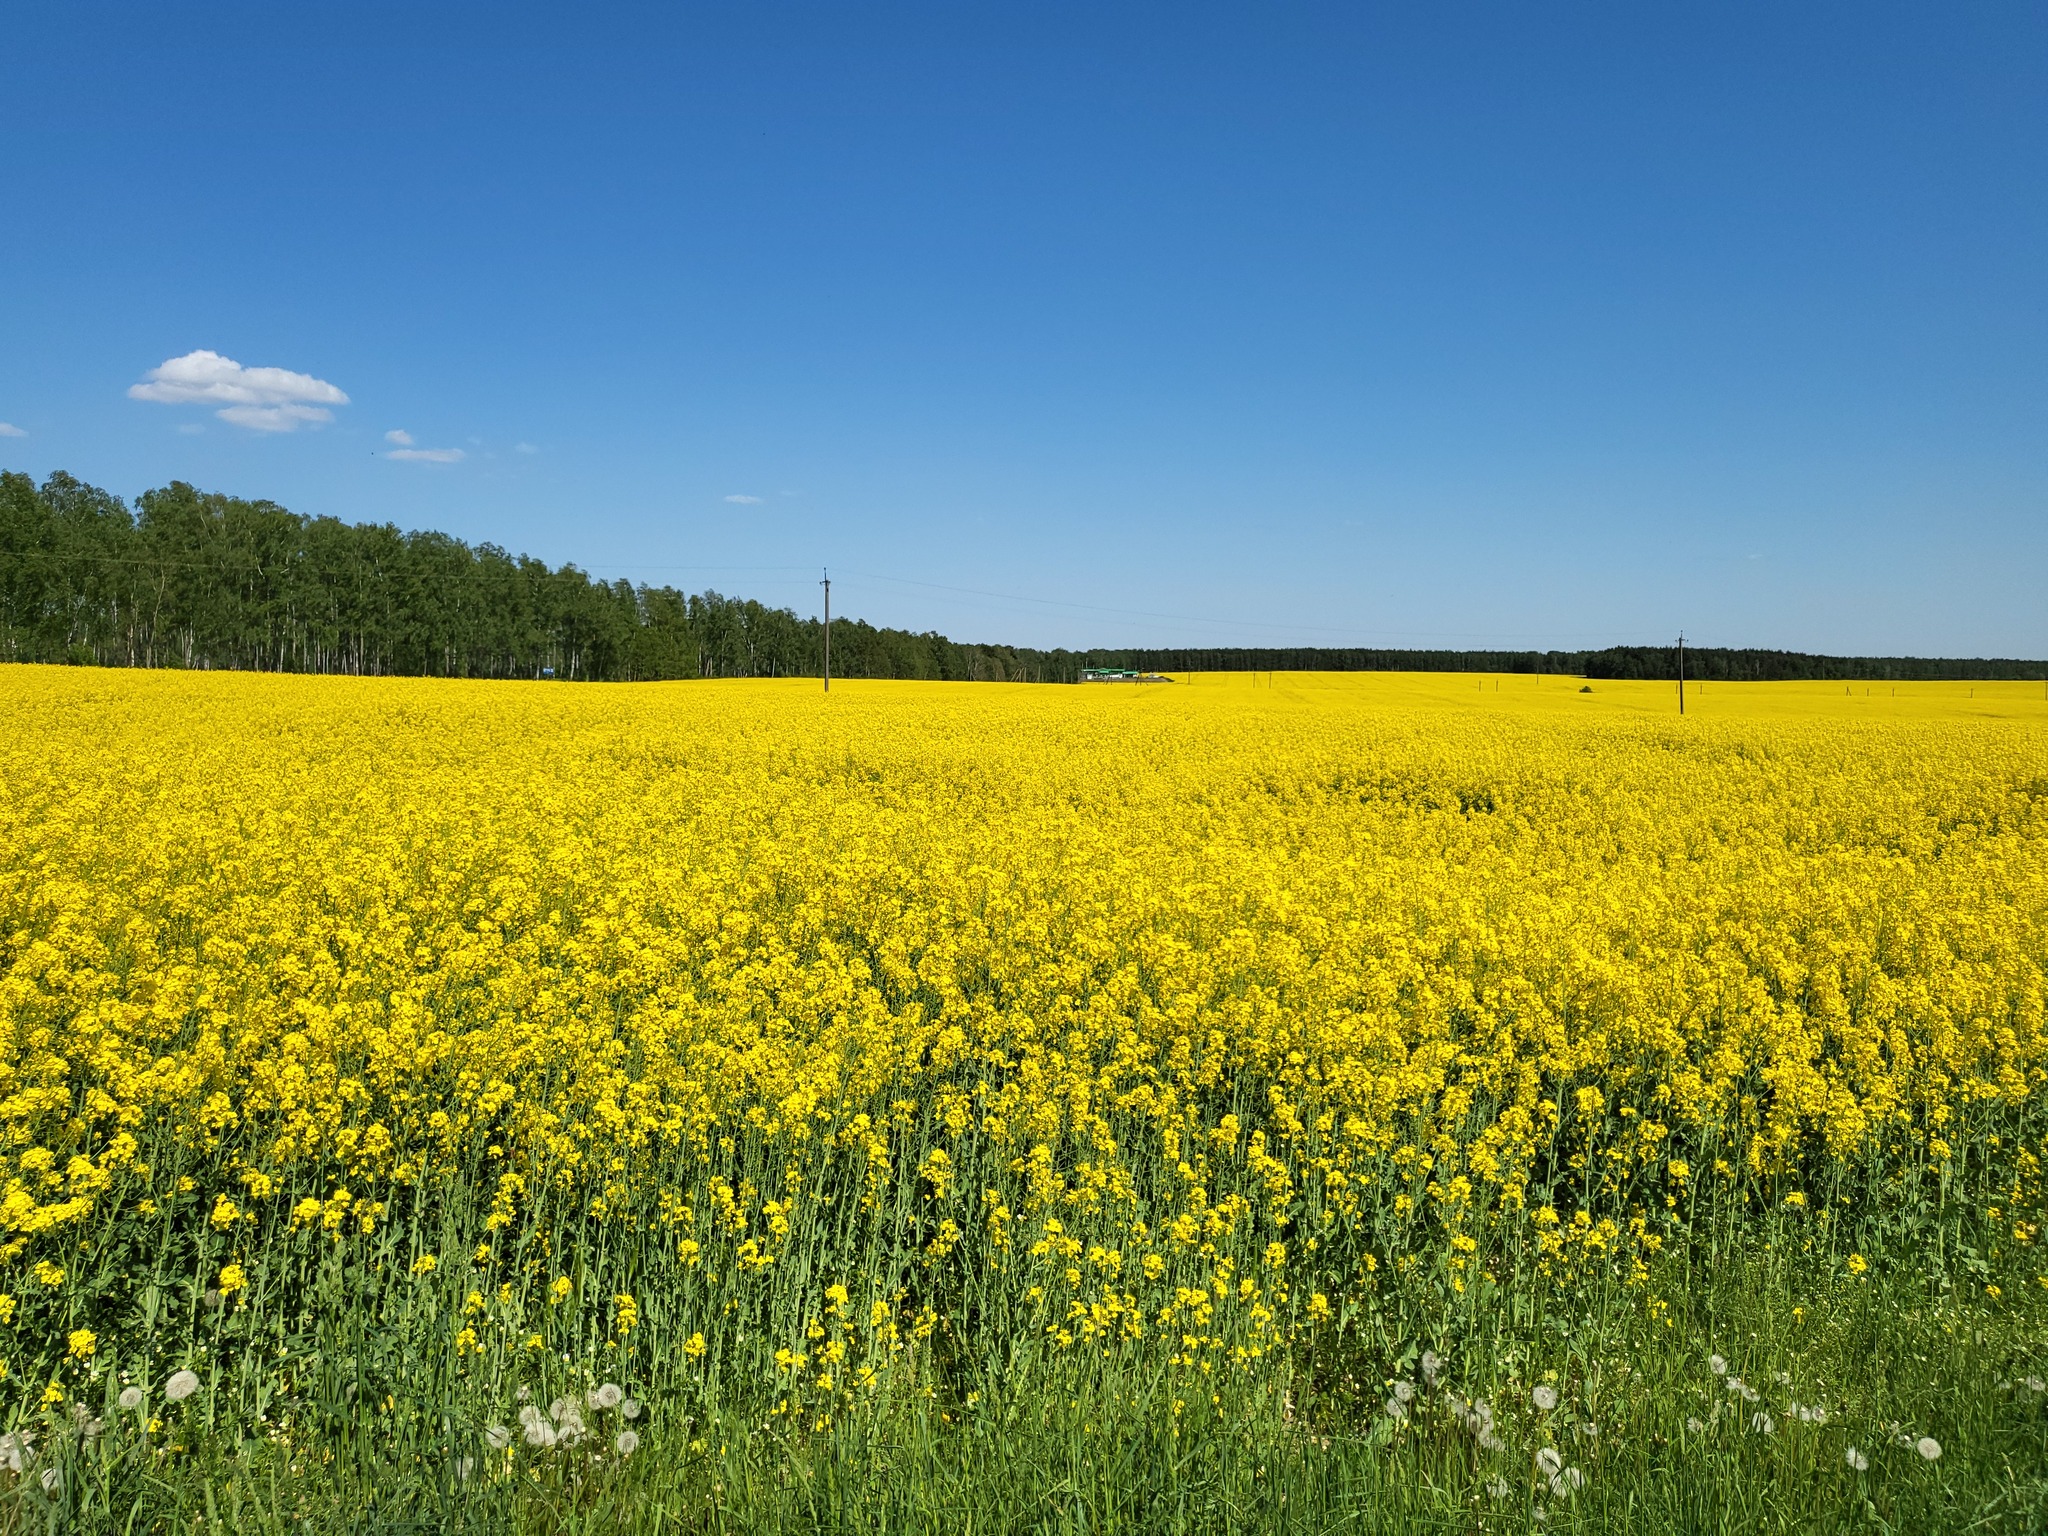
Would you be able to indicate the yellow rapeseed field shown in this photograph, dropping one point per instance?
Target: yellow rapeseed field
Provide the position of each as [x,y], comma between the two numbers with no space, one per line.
[738,1022]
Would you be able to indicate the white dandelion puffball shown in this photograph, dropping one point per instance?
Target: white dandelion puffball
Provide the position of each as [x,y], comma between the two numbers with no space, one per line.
[627,1442]
[181,1385]
[1717,1365]
[1761,1423]
[530,1416]
[1928,1447]
[2036,1384]
[526,1394]
[1549,1460]
[1432,1364]
[1498,1487]
[630,1408]
[1396,1409]
[1572,1479]
[1695,1426]
[1404,1391]
[610,1395]
[497,1437]
[1858,1462]
[538,1433]
[131,1397]
[53,1480]
[1544,1398]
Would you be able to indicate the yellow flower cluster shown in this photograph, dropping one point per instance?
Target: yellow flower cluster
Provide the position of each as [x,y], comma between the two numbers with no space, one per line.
[1158,999]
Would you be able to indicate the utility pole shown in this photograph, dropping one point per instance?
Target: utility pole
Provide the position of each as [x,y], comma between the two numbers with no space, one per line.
[827,584]
[1681,671]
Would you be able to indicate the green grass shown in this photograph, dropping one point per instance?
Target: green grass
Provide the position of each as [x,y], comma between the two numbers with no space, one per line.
[1057,1442]
[336,1392]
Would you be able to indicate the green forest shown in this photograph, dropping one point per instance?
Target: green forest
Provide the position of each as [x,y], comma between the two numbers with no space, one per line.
[186,578]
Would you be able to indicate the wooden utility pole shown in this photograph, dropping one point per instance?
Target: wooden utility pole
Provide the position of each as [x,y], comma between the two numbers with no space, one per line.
[1681,671]
[827,584]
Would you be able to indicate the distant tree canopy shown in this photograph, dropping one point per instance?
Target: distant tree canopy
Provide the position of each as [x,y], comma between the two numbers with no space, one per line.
[190,579]
[1708,664]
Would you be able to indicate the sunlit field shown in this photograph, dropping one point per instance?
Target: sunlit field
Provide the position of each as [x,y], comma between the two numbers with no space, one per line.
[1308,1102]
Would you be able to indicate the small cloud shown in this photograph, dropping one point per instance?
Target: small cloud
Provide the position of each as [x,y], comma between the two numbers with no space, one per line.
[274,418]
[426,455]
[261,399]
[190,428]
[399,436]
[9,429]
[745,501]
[525,448]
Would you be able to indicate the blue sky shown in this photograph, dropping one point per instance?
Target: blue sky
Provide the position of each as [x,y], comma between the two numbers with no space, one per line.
[1436,325]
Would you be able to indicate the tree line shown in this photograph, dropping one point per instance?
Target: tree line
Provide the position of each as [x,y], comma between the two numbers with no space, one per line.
[187,578]
[1648,662]
[191,579]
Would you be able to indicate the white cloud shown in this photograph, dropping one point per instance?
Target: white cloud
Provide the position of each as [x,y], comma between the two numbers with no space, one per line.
[745,501]
[525,448]
[261,399]
[190,428]
[426,455]
[274,418]
[399,436]
[9,429]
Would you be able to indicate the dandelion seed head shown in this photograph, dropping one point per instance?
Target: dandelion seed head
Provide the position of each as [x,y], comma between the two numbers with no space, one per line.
[1717,1365]
[1928,1447]
[610,1395]
[497,1437]
[1858,1462]
[131,1397]
[1432,1365]
[1545,1398]
[181,1385]
[626,1443]
[630,1408]
[1404,1391]
[1549,1460]
[1762,1424]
